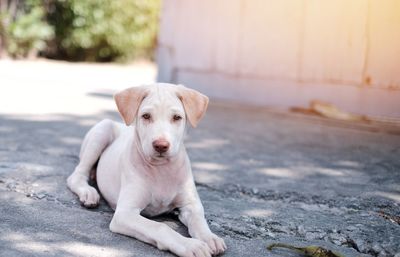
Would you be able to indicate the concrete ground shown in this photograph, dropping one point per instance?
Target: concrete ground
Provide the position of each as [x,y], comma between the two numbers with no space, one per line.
[263,175]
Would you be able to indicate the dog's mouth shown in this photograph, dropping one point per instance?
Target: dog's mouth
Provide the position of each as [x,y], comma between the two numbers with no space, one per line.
[160,156]
[159,159]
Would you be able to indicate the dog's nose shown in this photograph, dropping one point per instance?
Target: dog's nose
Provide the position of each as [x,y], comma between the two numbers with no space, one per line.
[161,145]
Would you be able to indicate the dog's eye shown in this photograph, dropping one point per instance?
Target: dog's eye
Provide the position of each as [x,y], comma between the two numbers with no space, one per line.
[146,116]
[177,117]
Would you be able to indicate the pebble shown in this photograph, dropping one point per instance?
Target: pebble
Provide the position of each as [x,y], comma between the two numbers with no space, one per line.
[351,228]
[40,196]
[337,239]
[254,191]
[12,185]
[314,235]
[301,230]
[362,245]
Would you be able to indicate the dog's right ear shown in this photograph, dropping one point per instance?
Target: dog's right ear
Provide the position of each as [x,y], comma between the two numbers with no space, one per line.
[128,102]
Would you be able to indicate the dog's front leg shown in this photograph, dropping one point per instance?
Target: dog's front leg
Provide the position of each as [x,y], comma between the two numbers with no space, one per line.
[131,223]
[128,221]
[192,215]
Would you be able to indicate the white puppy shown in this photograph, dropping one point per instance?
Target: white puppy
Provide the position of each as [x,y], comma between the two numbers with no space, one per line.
[143,168]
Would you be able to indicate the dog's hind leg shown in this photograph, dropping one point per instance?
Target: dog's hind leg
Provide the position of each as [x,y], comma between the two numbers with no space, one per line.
[94,143]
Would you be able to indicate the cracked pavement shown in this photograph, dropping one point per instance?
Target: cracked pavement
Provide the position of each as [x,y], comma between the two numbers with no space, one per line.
[263,175]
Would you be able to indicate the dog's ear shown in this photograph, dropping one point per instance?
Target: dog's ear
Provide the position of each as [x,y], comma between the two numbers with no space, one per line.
[194,102]
[128,102]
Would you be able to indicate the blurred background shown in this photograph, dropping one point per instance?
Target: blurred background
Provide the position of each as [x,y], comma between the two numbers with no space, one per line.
[342,55]
[286,53]
[94,30]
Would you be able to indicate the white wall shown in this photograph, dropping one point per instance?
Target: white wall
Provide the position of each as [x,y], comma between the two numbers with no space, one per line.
[285,53]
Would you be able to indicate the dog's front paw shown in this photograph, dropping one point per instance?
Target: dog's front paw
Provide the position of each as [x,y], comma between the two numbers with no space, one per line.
[194,248]
[89,197]
[216,244]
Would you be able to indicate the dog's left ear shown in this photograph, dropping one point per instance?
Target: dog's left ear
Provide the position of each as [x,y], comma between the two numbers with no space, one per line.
[128,102]
[194,103]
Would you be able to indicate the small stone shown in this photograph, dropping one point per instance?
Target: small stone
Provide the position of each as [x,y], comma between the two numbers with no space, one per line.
[301,230]
[270,234]
[382,253]
[314,236]
[362,245]
[40,196]
[215,224]
[351,228]
[11,185]
[337,239]
[376,247]
[254,191]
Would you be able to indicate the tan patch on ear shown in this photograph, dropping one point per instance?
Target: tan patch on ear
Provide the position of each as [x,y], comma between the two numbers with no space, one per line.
[128,102]
[194,103]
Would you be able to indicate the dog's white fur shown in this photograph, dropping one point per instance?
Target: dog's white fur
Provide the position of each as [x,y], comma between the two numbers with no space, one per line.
[137,180]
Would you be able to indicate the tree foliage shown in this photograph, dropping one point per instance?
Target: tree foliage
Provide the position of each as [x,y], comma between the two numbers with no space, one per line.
[80,30]
[23,30]
[104,30]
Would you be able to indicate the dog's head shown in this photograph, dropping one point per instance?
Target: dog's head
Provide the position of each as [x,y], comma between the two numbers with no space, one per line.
[160,112]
